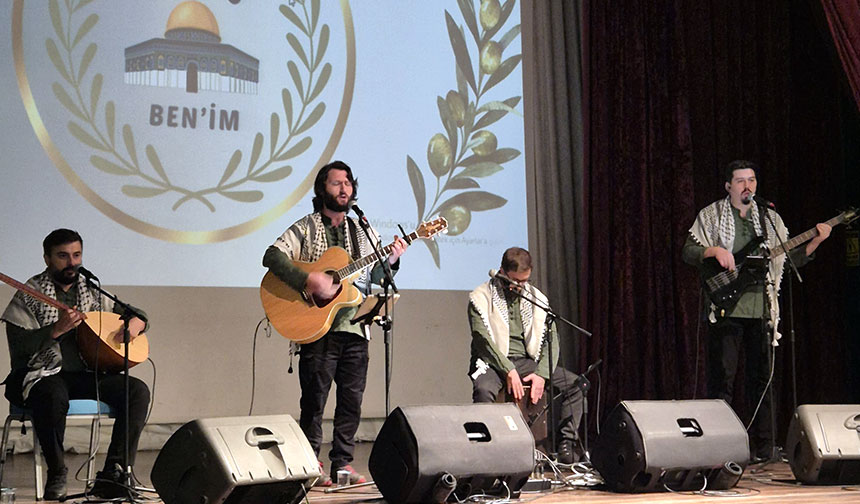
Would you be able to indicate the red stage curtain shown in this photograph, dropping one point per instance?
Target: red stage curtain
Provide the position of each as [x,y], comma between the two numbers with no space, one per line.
[843,19]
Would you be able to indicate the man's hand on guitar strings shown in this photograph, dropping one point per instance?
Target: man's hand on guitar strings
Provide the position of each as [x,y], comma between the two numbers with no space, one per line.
[723,256]
[321,285]
[135,327]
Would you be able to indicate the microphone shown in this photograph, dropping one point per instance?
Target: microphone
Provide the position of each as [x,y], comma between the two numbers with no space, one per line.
[762,202]
[88,274]
[359,213]
[592,366]
[501,276]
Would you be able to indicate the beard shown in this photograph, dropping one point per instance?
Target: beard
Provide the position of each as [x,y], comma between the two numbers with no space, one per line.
[330,202]
[65,276]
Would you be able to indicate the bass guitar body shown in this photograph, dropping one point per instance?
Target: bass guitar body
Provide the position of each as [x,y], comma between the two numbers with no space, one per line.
[724,288]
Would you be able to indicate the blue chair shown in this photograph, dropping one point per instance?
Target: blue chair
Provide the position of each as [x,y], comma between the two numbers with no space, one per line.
[79,409]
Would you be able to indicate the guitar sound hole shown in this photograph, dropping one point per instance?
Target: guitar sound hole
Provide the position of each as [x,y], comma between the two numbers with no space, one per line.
[320,301]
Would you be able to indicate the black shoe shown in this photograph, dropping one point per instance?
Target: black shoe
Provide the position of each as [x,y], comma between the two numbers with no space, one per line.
[568,452]
[55,488]
[759,460]
[109,484]
[763,453]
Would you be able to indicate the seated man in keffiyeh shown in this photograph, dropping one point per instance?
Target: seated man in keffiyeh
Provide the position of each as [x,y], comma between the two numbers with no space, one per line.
[47,369]
[509,347]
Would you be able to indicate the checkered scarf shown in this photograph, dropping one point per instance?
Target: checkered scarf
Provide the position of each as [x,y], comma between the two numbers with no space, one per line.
[29,313]
[489,300]
[501,304]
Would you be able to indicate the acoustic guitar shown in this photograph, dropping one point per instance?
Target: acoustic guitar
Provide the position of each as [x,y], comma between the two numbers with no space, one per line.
[303,318]
[725,287]
[99,336]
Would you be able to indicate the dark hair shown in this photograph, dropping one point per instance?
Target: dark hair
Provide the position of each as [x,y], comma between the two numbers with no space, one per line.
[517,260]
[322,176]
[739,164]
[59,237]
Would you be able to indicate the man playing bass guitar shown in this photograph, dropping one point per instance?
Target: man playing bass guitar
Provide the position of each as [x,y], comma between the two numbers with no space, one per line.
[341,355]
[47,369]
[721,230]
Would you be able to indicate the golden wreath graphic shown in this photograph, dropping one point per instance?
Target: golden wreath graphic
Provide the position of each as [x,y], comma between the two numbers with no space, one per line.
[116,149]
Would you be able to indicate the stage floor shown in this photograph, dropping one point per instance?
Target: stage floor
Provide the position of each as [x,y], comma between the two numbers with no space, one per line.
[770,484]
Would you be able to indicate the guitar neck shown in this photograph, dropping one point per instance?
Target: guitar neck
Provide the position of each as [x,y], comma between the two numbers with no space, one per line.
[805,236]
[26,289]
[371,259]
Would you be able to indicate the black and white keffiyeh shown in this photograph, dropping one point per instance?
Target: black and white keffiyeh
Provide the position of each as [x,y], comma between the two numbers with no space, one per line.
[489,300]
[29,313]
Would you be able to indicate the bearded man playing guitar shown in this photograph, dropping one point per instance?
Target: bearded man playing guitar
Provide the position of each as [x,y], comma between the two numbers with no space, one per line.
[47,369]
[341,355]
[722,229]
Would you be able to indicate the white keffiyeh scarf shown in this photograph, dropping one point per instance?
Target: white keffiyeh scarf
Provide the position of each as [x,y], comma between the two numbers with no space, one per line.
[489,300]
[30,314]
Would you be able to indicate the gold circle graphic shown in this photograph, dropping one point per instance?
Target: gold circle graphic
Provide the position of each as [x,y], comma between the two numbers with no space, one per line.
[163,233]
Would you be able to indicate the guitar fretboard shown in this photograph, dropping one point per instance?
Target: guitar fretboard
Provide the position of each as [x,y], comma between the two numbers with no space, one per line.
[369,260]
[806,236]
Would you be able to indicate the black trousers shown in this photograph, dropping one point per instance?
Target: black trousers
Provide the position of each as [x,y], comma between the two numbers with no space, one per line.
[49,401]
[726,339]
[342,358]
[486,387]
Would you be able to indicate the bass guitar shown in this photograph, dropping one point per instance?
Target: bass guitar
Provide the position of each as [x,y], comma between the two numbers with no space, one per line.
[99,335]
[725,287]
[303,318]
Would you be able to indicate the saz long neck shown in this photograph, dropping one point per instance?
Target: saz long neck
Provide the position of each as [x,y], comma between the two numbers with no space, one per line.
[26,289]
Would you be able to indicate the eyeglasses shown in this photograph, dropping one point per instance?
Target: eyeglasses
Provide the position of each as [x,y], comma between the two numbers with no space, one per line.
[519,283]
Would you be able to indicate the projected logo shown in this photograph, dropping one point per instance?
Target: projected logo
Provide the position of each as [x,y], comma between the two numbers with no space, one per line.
[173,118]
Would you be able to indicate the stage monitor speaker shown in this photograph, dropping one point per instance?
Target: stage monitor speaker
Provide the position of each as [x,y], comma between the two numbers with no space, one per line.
[823,444]
[432,453]
[678,445]
[258,459]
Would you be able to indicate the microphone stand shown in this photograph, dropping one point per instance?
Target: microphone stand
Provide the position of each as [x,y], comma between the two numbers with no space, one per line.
[387,319]
[581,383]
[774,452]
[550,317]
[128,313]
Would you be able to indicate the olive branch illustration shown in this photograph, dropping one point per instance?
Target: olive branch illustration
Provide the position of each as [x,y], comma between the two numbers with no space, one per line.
[155,181]
[466,116]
